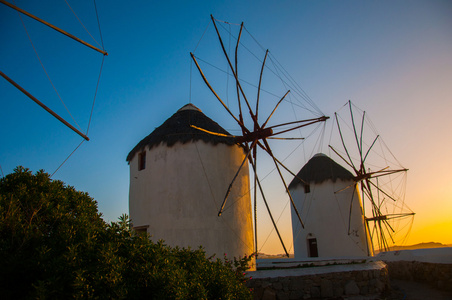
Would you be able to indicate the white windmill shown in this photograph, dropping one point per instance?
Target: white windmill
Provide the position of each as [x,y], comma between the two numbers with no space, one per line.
[177,175]
[379,176]
[334,222]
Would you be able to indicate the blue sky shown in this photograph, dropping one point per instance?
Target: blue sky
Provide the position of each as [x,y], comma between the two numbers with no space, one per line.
[391,58]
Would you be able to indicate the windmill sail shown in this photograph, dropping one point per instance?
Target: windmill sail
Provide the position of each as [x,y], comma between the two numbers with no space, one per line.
[378,174]
[256,133]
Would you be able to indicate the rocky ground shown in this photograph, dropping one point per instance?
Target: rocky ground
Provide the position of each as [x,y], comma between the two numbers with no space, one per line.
[405,290]
[410,290]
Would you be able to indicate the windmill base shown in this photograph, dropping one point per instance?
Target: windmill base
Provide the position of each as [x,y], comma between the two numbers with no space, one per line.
[319,279]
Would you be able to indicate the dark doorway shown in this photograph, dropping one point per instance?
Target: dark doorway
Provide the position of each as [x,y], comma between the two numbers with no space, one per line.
[312,247]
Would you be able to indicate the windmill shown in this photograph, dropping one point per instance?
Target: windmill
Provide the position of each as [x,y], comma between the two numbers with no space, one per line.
[334,223]
[380,177]
[177,176]
[255,131]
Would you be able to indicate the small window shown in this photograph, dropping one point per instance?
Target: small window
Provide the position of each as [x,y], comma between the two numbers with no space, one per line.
[142,161]
[307,188]
[141,230]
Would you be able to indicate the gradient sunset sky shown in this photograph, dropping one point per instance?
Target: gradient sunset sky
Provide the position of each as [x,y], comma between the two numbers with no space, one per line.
[392,59]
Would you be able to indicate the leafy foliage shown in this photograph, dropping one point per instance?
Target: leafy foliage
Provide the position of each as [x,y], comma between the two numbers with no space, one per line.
[54,244]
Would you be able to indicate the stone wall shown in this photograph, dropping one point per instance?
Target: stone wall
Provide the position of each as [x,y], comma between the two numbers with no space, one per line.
[325,285]
[437,275]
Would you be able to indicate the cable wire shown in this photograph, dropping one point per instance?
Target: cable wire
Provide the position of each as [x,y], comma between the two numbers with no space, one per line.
[98,25]
[45,71]
[83,24]
[67,158]
[95,94]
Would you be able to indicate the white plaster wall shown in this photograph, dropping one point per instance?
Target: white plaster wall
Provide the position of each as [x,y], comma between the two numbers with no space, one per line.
[179,193]
[326,218]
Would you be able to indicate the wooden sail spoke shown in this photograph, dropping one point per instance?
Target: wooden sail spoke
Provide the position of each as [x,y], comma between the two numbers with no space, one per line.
[213,91]
[212,133]
[379,232]
[387,172]
[284,139]
[288,170]
[391,216]
[346,161]
[259,87]
[350,161]
[284,182]
[53,27]
[359,144]
[382,225]
[370,148]
[361,177]
[350,213]
[384,243]
[254,165]
[362,130]
[307,121]
[368,192]
[232,69]
[389,230]
[235,177]
[237,72]
[268,210]
[43,105]
[279,102]
[380,190]
[310,122]
[375,234]
[345,188]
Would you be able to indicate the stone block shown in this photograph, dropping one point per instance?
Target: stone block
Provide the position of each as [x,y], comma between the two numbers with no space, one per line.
[296,295]
[338,291]
[315,292]
[269,294]
[326,288]
[364,289]
[351,288]
[277,286]
[379,285]
[258,293]
[316,279]
[281,295]
[296,284]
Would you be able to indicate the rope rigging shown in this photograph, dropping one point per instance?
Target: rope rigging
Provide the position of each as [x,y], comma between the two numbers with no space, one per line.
[257,137]
[278,70]
[298,98]
[380,176]
[44,69]
[15,84]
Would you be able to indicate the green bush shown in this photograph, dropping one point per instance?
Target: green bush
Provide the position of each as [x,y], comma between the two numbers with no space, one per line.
[55,245]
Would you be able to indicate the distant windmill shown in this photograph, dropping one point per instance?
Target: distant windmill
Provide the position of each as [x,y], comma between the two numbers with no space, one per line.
[334,222]
[377,173]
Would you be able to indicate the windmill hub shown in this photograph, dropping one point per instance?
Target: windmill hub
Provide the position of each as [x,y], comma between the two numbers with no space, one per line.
[256,135]
[362,177]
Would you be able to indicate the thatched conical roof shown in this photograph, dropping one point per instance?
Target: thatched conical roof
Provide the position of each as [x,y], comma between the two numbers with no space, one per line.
[321,168]
[177,129]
